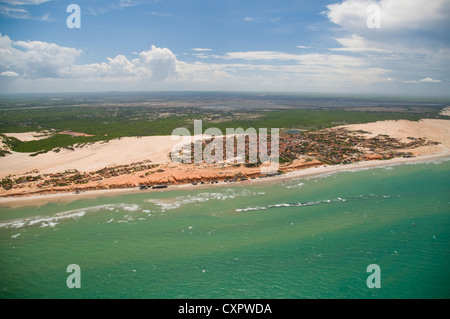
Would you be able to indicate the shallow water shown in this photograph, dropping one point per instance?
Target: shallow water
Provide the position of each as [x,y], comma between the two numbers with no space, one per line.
[303,238]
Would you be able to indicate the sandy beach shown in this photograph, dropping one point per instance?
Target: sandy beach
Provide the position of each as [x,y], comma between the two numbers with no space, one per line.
[430,129]
[91,157]
[156,149]
[39,200]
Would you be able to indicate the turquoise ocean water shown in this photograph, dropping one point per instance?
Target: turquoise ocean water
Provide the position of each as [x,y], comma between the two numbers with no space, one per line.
[303,238]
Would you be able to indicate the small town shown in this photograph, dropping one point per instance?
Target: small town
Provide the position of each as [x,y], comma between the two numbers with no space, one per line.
[325,147]
[74,177]
[330,146]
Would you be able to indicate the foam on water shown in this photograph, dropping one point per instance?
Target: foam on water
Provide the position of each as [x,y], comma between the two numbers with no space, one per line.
[53,220]
[250,209]
[177,202]
[268,241]
[44,221]
[296,185]
[436,161]
[310,203]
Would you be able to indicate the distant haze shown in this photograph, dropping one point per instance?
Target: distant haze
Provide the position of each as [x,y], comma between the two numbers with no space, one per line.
[289,46]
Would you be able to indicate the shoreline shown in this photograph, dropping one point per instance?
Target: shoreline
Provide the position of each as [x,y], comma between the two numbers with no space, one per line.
[372,145]
[39,200]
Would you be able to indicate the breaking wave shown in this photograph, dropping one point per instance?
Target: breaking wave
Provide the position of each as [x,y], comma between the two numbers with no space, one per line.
[310,203]
[177,202]
[53,220]
[296,185]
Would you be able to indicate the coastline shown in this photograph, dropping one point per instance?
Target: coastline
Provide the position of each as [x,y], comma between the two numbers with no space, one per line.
[155,169]
[39,200]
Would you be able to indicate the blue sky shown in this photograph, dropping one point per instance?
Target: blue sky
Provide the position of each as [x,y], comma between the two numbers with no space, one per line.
[238,45]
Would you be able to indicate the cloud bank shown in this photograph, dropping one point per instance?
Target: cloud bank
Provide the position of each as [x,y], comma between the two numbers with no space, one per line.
[411,49]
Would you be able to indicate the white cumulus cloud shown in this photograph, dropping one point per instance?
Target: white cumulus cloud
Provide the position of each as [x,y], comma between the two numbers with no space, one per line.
[412,40]
[201,49]
[396,15]
[24,2]
[9,73]
[429,80]
[405,24]
[36,59]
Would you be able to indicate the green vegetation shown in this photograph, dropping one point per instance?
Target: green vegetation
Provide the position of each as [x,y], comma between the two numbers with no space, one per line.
[3,153]
[8,142]
[48,144]
[117,115]
[313,119]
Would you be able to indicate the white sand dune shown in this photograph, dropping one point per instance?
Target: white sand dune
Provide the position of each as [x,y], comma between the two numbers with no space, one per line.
[28,136]
[157,149]
[92,157]
[430,129]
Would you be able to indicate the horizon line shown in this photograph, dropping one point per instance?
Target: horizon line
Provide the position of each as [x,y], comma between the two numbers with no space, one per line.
[330,94]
